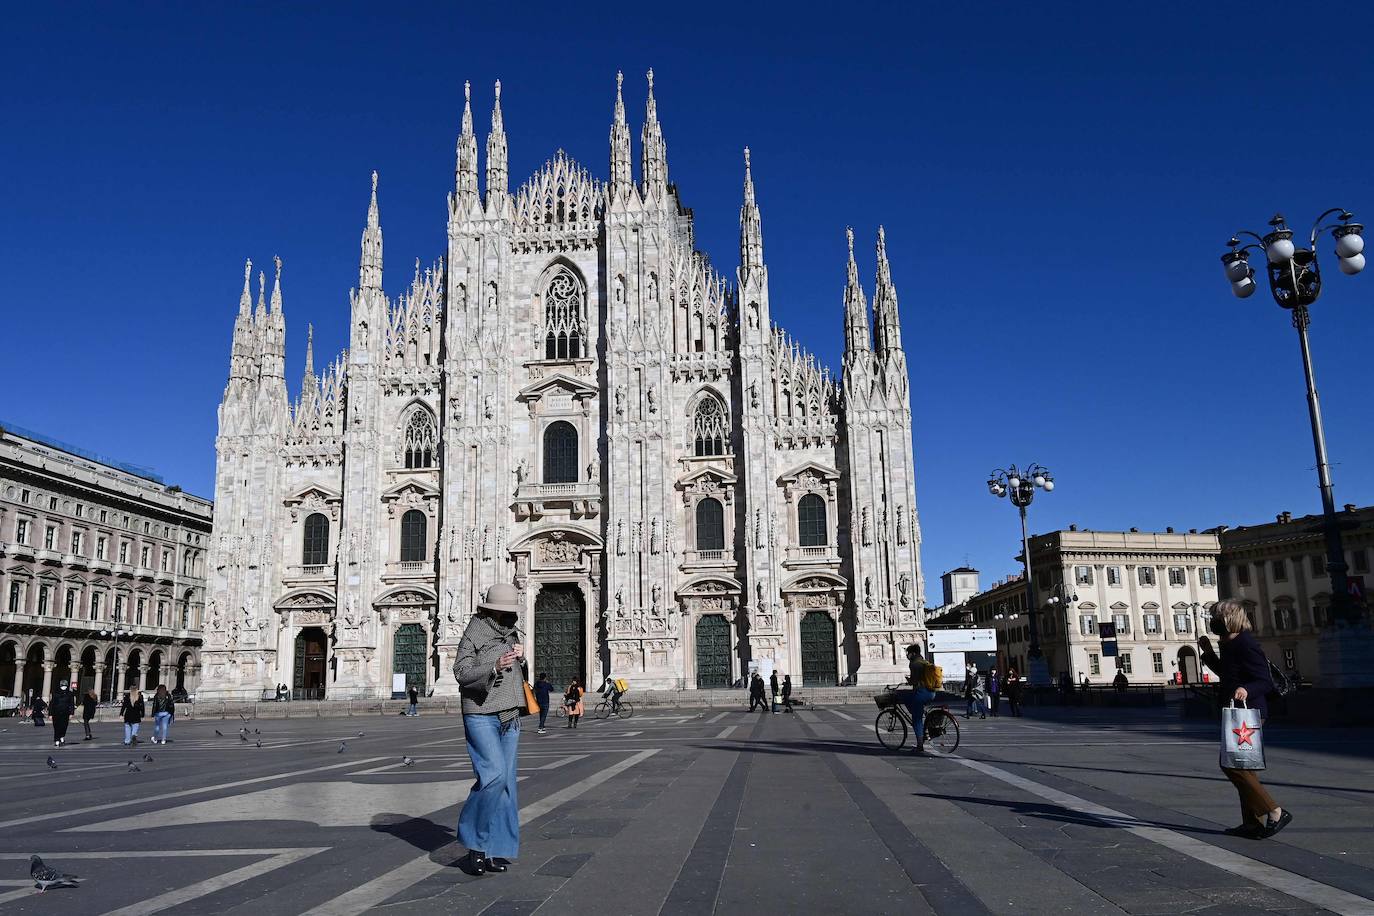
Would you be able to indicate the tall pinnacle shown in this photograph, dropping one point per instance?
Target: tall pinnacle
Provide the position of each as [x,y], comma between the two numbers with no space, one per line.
[465,173]
[246,300]
[856,338]
[621,177]
[370,265]
[241,352]
[750,224]
[276,287]
[309,355]
[498,169]
[887,327]
[654,151]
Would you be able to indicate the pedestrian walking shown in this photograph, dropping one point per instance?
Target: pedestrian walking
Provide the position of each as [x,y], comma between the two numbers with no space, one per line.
[414,695]
[1121,682]
[1245,678]
[978,695]
[88,704]
[994,692]
[163,707]
[37,707]
[542,689]
[61,708]
[490,668]
[756,694]
[774,690]
[1012,688]
[572,702]
[970,681]
[787,692]
[132,711]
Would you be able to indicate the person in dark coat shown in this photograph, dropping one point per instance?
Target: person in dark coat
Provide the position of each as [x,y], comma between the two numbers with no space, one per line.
[787,692]
[414,697]
[131,710]
[995,692]
[37,708]
[163,709]
[1012,688]
[88,704]
[773,690]
[542,690]
[756,694]
[61,708]
[1245,678]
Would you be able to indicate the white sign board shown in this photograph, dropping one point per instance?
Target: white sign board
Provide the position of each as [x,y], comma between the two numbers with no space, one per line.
[398,685]
[952,663]
[961,640]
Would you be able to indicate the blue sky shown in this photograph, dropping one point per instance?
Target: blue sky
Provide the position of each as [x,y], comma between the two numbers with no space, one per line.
[1057,183]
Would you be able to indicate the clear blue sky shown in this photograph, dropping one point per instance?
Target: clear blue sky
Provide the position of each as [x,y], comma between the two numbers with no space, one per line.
[1057,184]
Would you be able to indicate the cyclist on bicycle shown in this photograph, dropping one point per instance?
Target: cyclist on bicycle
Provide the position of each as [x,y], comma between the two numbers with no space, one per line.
[613,690]
[920,694]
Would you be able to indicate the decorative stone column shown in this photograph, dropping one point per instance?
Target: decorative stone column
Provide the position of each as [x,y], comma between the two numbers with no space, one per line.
[191,681]
[47,678]
[99,679]
[18,677]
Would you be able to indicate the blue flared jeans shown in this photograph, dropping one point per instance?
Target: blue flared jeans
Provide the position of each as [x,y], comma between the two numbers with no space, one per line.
[490,820]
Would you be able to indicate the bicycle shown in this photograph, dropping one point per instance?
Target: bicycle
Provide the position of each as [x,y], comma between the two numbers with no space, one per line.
[619,707]
[894,721]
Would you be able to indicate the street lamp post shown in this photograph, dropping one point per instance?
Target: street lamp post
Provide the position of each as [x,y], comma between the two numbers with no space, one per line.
[1005,662]
[1059,602]
[116,631]
[1020,488]
[1295,282]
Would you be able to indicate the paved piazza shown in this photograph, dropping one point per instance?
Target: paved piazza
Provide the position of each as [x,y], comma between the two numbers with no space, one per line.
[688,811]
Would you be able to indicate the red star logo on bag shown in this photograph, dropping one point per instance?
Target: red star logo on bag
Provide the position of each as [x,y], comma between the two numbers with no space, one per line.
[1245,734]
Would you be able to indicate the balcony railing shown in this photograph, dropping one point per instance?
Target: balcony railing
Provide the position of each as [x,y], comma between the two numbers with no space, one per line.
[411,566]
[708,558]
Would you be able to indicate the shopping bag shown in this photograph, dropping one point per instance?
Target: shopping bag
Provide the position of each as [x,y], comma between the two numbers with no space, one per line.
[1242,739]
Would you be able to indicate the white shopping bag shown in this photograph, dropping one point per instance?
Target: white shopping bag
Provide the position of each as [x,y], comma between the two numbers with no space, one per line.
[1242,741]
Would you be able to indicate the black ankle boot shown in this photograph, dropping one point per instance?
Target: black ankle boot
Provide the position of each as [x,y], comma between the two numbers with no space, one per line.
[474,863]
[498,865]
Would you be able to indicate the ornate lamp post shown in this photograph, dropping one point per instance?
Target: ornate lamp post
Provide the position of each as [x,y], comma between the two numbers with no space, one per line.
[1059,602]
[1005,662]
[1295,281]
[116,631]
[1020,488]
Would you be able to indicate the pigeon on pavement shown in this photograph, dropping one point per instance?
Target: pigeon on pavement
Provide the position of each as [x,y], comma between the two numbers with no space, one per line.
[259,743]
[360,734]
[343,746]
[243,717]
[45,877]
[147,758]
[134,768]
[257,731]
[243,737]
[407,761]
[52,764]
[220,733]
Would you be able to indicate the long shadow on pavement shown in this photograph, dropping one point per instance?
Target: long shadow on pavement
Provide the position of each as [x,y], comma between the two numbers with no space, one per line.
[1056,813]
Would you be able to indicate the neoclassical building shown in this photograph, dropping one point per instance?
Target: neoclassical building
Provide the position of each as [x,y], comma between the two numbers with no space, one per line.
[573,400]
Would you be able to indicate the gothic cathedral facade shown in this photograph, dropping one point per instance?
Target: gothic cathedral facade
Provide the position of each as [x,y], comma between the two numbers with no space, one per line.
[571,400]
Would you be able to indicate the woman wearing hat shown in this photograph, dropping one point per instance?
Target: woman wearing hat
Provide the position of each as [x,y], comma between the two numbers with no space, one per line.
[490,669]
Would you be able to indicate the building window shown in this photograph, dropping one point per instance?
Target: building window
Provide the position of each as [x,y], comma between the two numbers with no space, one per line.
[1360,560]
[1280,568]
[316,546]
[1087,625]
[162,613]
[100,544]
[44,591]
[1082,575]
[167,561]
[1113,575]
[560,453]
[139,611]
[413,528]
[80,510]
[1284,618]
[1146,575]
[1318,565]
[50,538]
[1123,661]
[420,439]
[564,331]
[1177,577]
[118,608]
[147,527]
[1183,623]
[16,590]
[143,557]
[52,503]
[1243,574]
[710,427]
[1151,623]
[69,607]
[24,496]
[1094,663]
[95,605]
[21,532]
[710,525]
[124,551]
[1123,623]
[811,521]
[1157,662]
[104,516]
[1207,575]
[186,612]
[76,543]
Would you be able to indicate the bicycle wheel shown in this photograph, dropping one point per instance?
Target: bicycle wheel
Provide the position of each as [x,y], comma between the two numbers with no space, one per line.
[625,710]
[942,731]
[891,729]
[560,712]
[603,709]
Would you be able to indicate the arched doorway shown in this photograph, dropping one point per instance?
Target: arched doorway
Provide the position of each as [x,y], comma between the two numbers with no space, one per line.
[408,655]
[153,675]
[133,668]
[713,651]
[1187,664]
[9,667]
[819,668]
[108,686]
[311,650]
[182,664]
[33,669]
[560,633]
[86,676]
[62,669]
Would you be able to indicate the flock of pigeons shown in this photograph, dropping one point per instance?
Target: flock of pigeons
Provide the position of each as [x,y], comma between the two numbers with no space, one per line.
[45,877]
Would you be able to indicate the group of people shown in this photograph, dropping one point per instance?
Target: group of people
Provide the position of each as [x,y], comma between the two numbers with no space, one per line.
[780,691]
[984,693]
[63,704]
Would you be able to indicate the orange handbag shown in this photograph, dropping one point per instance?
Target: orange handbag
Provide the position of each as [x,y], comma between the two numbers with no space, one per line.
[531,704]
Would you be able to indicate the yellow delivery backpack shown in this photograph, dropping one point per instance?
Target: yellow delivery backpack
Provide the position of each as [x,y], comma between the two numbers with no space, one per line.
[932,677]
[621,684]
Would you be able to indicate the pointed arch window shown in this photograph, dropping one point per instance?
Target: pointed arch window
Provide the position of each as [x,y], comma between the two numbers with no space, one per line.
[564,308]
[811,521]
[560,453]
[315,549]
[413,530]
[710,525]
[710,427]
[421,439]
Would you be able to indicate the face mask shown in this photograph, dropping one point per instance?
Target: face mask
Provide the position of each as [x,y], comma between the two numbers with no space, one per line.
[1218,626]
[507,620]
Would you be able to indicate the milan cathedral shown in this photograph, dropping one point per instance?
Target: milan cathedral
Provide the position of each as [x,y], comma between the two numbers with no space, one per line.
[571,400]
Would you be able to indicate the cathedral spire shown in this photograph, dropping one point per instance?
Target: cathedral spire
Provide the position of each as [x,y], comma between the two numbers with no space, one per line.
[465,174]
[621,178]
[498,168]
[274,332]
[309,376]
[241,353]
[750,225]
[887,328]
[856,338]
[370,266]
[654,151]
